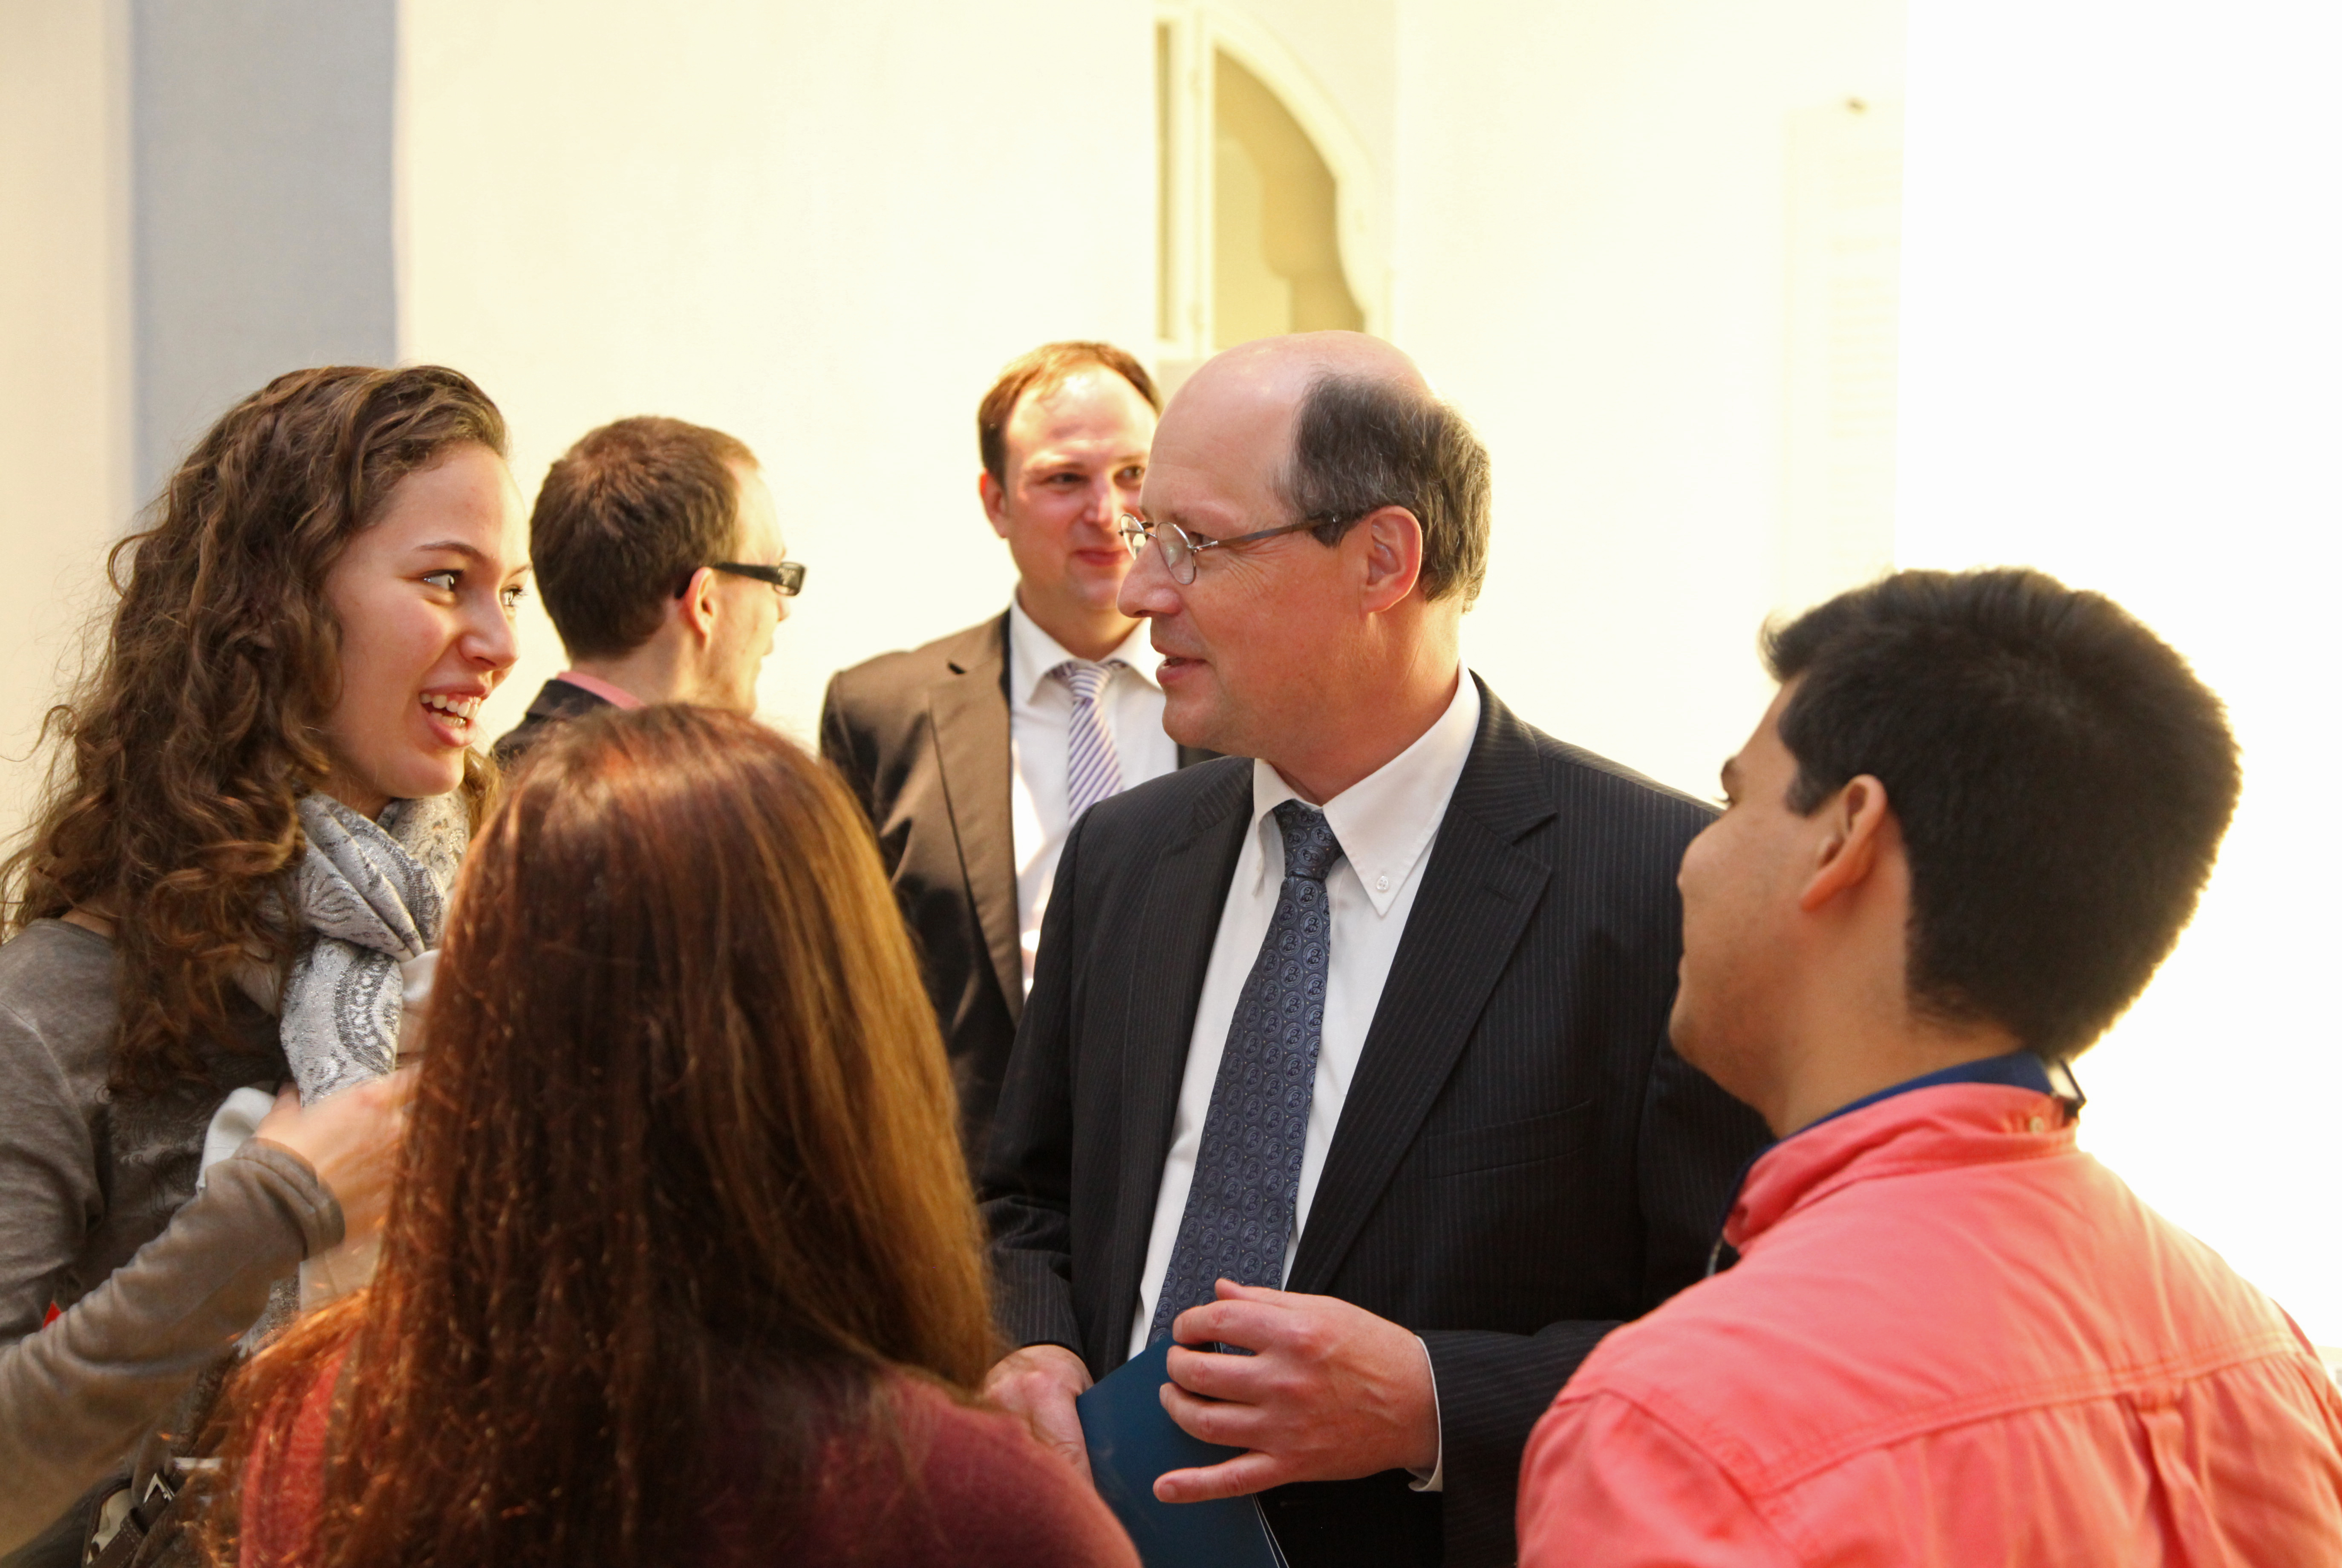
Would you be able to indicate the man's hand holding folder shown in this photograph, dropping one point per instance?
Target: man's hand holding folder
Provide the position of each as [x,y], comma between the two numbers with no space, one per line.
[1131,1443]
[1329,1392]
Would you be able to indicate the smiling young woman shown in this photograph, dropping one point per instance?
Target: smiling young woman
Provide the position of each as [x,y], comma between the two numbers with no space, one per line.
[240,870]
[423,597]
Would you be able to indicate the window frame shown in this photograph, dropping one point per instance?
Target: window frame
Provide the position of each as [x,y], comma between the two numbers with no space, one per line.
[1185,121]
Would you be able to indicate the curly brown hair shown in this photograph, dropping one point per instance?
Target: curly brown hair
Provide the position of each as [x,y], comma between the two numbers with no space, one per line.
[170,806]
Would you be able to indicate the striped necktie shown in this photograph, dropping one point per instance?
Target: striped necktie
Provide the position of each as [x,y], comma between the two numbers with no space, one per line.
[1092,770]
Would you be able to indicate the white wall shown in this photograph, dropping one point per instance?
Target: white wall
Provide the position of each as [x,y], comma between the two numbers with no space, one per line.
[821,227]
[64,451]
[1590,262]
[2121,329]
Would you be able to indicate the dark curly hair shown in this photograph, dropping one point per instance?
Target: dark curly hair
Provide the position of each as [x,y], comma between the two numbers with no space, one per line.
[170,805]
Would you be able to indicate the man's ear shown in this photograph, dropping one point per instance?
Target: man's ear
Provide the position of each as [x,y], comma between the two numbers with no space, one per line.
[696,608]
[996,502]
[1392,541]
[1857,823]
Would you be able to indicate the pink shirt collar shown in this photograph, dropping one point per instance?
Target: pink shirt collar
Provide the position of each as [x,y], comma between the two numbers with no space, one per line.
[1932,1128]
[617,696]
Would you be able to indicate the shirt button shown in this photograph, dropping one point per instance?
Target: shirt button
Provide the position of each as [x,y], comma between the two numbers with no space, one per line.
[2035,1124]
[1382,884]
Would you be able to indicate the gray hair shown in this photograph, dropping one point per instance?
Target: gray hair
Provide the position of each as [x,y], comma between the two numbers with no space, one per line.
[1360,443]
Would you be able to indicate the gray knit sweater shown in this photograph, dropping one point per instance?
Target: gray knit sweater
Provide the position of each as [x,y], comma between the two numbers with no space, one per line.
[99,1216]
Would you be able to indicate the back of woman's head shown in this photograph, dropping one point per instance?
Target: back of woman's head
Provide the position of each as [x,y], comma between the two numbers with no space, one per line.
[682,1158]
[681,1024]
[172,803]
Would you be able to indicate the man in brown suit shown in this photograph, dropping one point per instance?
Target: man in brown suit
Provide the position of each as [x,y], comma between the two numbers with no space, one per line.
[975,754]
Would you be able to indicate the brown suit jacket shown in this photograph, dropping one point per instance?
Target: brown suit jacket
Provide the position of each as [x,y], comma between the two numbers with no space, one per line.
[922,738]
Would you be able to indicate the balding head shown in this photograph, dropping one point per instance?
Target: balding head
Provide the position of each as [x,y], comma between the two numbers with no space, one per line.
[1334,424]
[1283,369]
[1333,521]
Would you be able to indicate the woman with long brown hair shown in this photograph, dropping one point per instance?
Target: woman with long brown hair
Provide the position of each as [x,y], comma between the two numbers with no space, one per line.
[261,795]
[683,1265]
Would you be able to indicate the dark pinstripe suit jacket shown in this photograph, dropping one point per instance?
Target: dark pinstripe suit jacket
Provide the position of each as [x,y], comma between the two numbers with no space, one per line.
[1521,1164]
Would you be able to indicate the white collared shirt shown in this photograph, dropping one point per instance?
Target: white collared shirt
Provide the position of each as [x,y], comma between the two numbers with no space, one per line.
[1385,824]
[1040,714]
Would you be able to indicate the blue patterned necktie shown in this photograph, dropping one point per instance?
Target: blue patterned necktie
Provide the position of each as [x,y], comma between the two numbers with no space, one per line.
[1239,1212]
[1093,769]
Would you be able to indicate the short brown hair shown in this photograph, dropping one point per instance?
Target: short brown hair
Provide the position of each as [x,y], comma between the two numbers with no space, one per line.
[1361,444]
[1044,370]
[624,519]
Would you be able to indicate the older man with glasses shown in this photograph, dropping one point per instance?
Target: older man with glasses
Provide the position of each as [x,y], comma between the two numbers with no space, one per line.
[658,549]
[1347,1049]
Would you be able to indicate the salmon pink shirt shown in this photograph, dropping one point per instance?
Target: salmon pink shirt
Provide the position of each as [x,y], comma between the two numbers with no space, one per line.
[1952,1338]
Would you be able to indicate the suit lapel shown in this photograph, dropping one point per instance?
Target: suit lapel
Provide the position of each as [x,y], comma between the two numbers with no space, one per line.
[1184,902]
[1477,894]
[969,710]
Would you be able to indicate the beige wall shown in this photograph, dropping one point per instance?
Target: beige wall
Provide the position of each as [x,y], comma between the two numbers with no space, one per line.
[822,227]
[1590,260]
[64,450]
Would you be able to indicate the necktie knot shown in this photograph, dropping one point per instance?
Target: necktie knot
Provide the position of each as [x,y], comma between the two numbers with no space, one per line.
[1085,679]
[1310,847]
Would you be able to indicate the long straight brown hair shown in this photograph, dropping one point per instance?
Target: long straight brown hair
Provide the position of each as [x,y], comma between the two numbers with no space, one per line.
[682,1158]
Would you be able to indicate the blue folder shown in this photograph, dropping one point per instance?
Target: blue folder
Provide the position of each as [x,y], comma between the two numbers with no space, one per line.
[1132,1440]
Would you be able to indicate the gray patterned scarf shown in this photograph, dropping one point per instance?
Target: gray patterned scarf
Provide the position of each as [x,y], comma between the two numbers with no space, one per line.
[374,895]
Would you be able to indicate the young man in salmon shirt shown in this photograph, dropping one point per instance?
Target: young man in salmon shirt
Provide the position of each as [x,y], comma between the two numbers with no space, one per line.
[1972,822]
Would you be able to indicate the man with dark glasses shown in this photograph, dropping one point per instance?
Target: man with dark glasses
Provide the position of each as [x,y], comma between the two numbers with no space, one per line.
[658,550]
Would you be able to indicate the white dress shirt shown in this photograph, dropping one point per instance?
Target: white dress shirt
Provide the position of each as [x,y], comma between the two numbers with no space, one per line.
[1040,716]
[1386,822]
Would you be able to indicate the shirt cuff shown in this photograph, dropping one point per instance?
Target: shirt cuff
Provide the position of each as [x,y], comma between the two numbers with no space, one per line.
[1436,1478]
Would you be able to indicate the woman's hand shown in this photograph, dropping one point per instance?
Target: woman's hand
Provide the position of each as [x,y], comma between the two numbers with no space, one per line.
[350,1140]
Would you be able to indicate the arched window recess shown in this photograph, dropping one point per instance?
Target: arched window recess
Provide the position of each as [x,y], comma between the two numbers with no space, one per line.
[1263,193]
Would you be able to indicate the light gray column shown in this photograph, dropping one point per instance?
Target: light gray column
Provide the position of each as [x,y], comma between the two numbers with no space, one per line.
[261,195]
